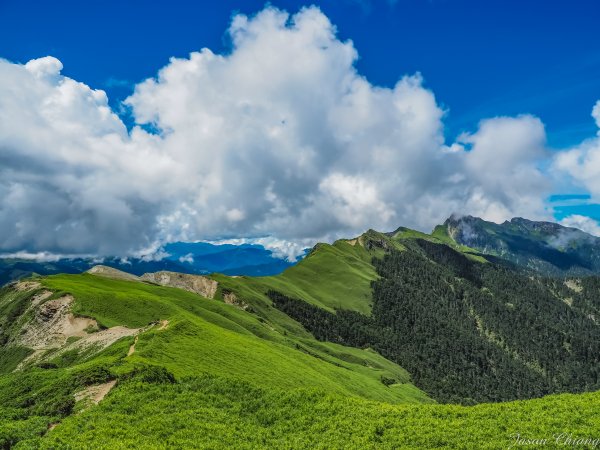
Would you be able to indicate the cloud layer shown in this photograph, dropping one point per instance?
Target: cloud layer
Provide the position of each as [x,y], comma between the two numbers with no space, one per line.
[280,137]
[582,162]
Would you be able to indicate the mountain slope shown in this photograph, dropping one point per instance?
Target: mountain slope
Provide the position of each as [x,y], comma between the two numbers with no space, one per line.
[496,334]
[214,412]
[327,353]
[211,375]
[65,335]
[545,247]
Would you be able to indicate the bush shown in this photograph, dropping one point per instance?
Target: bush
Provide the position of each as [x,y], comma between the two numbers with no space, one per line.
[151,374]
[93,375]
[388,381]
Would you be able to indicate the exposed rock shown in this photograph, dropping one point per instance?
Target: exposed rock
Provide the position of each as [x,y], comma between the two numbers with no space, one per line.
[110,272]
[27,285]
[104,338]
[574,285]
[357,240]
[193,283]
[40,297]
[93,395]
[372,244]
[53,324]
[231,299]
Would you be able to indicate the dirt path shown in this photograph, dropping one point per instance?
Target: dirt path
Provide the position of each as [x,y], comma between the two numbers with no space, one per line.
[95,394]
[163,325]
[132,348]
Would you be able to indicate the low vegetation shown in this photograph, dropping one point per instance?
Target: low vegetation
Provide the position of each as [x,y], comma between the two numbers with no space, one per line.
[347,349]
[218,412]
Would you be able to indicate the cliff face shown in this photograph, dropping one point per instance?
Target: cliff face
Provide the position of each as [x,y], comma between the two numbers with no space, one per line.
[193,283]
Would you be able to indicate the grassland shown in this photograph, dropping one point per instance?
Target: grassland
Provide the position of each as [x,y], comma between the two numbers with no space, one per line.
[216,412]
[209,336]
[223,376]
[332,276]
[200,336]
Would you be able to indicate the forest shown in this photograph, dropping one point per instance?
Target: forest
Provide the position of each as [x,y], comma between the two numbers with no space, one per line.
[469,332]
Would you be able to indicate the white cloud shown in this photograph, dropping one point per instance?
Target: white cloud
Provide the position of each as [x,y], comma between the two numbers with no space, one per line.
[45,256]
[189,258]
[582,162]
[44,67]
[596,114]
[502,168]
[583,223]
[282,249]
[281,137]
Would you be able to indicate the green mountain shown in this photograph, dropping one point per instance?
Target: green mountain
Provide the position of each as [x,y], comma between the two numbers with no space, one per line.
[496,333]
[352,347]
[545,247]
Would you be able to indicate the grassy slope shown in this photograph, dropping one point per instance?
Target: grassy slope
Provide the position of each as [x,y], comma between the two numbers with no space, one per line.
[202,337]
[211,412]
[260,367]
[440,236]
[332,276]
[209,336]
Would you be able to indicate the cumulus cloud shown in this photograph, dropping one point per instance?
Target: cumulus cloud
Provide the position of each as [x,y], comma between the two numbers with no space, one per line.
[72,180]
[280,137]
[502,166]
[282,249]
[596,114]
[583,223]
[582,162]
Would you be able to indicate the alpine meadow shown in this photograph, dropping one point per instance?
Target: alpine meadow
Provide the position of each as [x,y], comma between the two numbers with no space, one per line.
[221,227]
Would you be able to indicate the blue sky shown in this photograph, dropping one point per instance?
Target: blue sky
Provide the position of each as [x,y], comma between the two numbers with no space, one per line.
[482,59]
[497,124]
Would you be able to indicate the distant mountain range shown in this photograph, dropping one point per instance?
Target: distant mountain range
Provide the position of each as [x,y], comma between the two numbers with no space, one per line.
[329,349]
[194,258]
[544,247]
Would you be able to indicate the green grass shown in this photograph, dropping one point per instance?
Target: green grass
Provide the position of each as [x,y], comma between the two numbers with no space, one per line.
[209,336]
[216,412]
[10,357]
[440,236]
[203,336]
[221,377]
[332,276]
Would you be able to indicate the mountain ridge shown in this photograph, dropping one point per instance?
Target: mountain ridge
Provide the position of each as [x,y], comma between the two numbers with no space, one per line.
[364,324]
[545,247]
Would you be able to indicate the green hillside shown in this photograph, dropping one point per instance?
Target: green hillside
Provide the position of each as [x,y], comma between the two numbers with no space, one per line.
[428,296]
[469,332]
[314,357]
[331,276]
[215,412]
[178,334]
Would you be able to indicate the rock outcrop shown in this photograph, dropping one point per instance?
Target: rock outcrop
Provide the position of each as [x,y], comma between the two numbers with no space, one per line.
[109,272]
[193,283]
